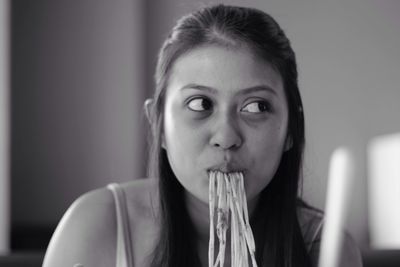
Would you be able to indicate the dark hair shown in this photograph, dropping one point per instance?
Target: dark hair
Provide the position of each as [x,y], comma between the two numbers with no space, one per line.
[279,237]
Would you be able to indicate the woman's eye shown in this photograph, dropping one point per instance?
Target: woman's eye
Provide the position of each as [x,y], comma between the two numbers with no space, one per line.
[256,107]
[199,104]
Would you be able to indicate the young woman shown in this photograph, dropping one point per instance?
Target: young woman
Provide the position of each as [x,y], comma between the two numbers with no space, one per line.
[227,104]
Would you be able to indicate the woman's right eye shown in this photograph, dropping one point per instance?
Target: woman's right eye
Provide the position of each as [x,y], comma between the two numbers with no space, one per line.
[199,104]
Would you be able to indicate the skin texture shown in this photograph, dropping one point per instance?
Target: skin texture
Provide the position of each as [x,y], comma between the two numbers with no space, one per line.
[214,121]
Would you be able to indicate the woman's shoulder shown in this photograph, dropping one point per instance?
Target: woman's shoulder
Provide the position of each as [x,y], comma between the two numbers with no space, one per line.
[311,221]
[141,199]
[141,192]
[80,238]
[140,195]
[86,233]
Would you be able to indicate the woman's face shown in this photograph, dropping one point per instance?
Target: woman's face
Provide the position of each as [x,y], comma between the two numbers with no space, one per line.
[224,110]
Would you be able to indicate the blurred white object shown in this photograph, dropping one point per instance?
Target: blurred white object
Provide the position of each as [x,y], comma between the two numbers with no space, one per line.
[4,128]
[384,191]
[340,180]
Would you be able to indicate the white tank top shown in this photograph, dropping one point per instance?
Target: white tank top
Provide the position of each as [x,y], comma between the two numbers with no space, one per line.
[124,253]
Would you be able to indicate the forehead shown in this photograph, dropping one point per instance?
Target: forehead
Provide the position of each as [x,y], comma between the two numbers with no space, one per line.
[224,68]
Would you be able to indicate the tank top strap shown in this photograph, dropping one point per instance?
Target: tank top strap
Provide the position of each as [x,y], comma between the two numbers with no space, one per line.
[124,252]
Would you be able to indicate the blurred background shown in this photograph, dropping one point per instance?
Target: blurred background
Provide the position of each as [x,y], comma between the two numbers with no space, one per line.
[80,70]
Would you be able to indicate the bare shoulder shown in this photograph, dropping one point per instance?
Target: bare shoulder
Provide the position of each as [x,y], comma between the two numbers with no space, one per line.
[143,211]
[87,232]
[141,195]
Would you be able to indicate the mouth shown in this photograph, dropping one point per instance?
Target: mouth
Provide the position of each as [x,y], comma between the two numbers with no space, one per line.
[228,209]
[226,168]
[225,172]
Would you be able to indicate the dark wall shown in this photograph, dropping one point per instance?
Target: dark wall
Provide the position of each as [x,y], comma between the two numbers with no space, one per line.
[77,94]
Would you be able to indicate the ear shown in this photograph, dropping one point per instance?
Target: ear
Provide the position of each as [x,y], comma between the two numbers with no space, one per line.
[148,106]
[148,109]
[288,143]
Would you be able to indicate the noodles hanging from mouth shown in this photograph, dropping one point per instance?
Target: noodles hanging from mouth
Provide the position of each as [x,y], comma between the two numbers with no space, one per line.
[227,196]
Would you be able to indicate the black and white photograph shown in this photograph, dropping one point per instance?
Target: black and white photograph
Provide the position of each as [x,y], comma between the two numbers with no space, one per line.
[184,133]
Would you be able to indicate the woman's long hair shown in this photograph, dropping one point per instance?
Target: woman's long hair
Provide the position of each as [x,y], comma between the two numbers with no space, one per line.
[279,240]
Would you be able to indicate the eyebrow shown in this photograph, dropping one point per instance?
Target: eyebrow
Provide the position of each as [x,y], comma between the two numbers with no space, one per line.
[245,91]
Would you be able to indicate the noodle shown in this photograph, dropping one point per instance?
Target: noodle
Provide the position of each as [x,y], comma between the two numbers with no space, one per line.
[228,197]
[211,199]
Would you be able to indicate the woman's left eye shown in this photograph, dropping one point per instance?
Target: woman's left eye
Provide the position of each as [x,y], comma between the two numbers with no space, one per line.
[256,107]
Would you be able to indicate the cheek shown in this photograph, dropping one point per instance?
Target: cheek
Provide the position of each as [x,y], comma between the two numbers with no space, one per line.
[266,150]
[268,141]
[182,140]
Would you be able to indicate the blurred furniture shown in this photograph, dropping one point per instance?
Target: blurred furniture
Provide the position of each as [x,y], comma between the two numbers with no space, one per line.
[26,259]
[371,258]
[381,258]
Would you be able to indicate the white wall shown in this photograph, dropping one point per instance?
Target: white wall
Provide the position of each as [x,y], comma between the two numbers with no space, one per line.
[349,67]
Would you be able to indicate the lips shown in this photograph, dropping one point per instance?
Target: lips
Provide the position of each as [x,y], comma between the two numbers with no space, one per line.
[226,167]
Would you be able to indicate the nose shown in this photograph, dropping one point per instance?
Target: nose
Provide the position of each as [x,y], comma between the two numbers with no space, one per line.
[226,135]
